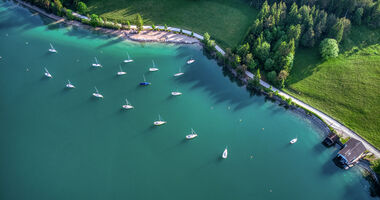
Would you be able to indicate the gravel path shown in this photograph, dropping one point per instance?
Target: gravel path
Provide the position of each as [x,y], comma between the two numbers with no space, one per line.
[340,128]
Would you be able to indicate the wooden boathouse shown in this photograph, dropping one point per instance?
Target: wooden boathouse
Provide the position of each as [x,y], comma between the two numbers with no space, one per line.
[350,154]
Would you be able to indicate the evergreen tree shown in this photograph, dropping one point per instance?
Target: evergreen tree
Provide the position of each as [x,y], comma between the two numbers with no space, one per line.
[293,14]
[358,16]
[139,22]
[307,39]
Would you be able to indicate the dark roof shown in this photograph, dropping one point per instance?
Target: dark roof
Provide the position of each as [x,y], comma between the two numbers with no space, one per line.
[333,137]
[352,150]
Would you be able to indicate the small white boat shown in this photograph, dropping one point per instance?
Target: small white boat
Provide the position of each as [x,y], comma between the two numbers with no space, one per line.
[127,105]
[47,74]
[69,85]
[179,73]
[225,153]
[153,68]
[97,94]
[293,141]
[52,50]
[192,135]
[121,72]
[96,64]
[190,61]
[159,122]
[176,93]
[129,59]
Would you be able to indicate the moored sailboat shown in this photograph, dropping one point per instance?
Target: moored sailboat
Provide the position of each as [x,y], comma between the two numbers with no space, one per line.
[159,122]
[52,49]
[179,73]
[129,59]
[121,72]
[190,61]
[176,93]
[192,135]
[153,68]
[144,83]
[69,85]
[96,64]
[97,94]
[127,105]
[47,74]
[225,153]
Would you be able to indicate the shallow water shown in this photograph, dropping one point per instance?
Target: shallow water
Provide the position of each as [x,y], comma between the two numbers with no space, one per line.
[57,143]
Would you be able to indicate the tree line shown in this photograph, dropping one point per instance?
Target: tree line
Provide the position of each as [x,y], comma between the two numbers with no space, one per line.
[276,33]
[62,8]
[358,11]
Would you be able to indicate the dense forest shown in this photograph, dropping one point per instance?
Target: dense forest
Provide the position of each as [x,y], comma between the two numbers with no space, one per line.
[282,27]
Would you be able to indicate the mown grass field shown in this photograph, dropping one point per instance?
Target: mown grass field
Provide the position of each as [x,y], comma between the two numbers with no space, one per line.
[227,21]
[346,88]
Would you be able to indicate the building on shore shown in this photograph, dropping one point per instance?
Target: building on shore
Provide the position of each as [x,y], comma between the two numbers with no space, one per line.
[350,154]
[331,139]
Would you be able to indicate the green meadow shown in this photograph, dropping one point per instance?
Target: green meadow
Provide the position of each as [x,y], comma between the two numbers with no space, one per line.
[227,21]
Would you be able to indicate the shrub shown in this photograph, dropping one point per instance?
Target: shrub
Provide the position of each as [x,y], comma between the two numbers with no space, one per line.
[375,165]
[329,48]
[69,14]
[82,8]
[209,44]
[96,21]
[128,25]
[344,140]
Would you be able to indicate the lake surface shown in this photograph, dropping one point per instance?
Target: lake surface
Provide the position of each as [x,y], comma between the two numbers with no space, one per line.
[57,143]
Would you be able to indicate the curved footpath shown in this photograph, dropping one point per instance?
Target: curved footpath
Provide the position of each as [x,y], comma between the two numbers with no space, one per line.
[176,38]
[340,128]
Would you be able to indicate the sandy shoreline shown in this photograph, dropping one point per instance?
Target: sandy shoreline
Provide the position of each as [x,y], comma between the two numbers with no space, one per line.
[143,36]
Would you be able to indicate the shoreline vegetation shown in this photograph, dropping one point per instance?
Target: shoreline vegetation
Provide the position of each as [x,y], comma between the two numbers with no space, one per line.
[166,34]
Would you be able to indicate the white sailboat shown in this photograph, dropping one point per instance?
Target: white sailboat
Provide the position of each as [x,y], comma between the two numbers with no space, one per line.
[159,122]
[127,105]
[121,72]
[47,74]
[69,85]
[192,135]
[225,153]
[52,50]
[153,68]
[179,73]
[129,59]
[293,141]
[190,61]
[176,93]
[96,64]
[97,94]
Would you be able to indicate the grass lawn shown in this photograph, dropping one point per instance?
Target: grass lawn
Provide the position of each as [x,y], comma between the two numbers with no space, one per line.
[346,88]
[227,21]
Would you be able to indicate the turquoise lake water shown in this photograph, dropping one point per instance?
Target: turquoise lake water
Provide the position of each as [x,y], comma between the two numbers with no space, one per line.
[57,143]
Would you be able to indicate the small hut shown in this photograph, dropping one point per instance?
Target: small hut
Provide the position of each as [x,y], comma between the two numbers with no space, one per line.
[350,154]
[330,140]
